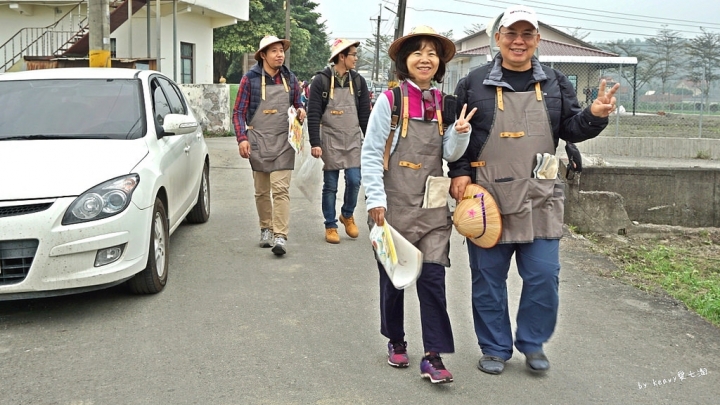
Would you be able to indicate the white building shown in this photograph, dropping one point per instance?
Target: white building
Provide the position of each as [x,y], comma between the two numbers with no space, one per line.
[173,36]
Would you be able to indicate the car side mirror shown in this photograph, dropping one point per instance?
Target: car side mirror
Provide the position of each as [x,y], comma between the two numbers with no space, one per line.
[178,124]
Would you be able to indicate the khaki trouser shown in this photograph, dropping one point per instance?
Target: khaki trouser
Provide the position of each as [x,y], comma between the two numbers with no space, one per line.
[274,214]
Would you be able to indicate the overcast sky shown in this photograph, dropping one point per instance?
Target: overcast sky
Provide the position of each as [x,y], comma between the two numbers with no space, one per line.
[605,20]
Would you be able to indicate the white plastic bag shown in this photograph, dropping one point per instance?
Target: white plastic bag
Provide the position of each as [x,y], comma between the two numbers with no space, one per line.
[309,177]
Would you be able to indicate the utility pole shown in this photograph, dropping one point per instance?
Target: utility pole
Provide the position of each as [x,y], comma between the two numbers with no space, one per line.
[287,31]
[401,19]
[376,65]
[99,24]
[399,28]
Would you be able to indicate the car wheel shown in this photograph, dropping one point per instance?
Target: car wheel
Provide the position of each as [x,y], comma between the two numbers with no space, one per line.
[201,211]
[153,278]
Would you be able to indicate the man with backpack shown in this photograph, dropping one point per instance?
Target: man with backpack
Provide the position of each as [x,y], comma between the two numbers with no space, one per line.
[339,103]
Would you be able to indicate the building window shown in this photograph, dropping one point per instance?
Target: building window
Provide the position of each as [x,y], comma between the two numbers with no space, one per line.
[187,59]
[113,48]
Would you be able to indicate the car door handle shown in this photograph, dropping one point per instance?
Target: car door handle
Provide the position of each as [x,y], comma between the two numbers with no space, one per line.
[187,149]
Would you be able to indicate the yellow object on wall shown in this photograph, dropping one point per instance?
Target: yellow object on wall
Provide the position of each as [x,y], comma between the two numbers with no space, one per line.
[100,58]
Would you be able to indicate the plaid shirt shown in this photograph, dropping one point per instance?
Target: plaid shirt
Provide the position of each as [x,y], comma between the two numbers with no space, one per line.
[242,102]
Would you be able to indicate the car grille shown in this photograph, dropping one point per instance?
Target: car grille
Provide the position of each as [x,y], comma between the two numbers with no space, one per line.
[16,257]
[23,209]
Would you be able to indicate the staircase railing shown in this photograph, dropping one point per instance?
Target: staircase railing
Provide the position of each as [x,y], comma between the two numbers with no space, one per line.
[41,41]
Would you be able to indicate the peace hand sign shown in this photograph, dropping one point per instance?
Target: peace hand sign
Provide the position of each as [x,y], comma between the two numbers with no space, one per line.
[604,104]
[462,125]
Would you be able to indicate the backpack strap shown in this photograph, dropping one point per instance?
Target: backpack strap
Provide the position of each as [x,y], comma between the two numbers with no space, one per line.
[395,96]
[329,84]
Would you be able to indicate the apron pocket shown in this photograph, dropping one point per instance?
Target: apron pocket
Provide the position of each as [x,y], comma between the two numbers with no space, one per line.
[413,223]
[537,122]
[272,146]
[516,209]
[548,208]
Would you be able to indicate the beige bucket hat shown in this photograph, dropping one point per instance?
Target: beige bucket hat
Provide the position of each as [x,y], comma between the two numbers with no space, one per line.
[340,45]
[269,40]
[448,46]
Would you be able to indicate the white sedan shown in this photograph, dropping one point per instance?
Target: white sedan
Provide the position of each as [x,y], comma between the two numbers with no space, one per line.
[98,167]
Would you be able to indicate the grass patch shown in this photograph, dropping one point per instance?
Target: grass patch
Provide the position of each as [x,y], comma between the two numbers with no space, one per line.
[687,271]
[233,96]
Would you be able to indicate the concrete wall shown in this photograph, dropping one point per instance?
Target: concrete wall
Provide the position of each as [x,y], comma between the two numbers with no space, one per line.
[679,196]
[211,105]
[681,148]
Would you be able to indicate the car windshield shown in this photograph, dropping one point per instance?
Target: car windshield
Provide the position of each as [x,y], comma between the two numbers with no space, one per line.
[71,108]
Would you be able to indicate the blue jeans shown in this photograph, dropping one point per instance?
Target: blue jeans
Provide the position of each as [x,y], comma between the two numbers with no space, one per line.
[539,266]
[329,194]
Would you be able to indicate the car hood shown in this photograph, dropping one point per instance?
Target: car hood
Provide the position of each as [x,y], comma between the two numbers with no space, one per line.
[55,168]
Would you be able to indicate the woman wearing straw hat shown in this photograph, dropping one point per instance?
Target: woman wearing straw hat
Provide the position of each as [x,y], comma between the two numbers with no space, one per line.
[396,162]
[264,96]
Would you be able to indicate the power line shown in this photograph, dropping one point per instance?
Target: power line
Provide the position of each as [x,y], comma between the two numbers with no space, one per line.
[560,16]
[593,12]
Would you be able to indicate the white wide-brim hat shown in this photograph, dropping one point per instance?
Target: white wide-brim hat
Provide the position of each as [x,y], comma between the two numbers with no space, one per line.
[269,40]
[340,45]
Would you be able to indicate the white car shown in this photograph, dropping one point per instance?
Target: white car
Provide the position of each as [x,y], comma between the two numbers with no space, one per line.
[98,167]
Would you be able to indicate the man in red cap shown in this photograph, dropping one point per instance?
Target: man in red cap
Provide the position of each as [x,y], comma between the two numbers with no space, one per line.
[261,127]
[339,103]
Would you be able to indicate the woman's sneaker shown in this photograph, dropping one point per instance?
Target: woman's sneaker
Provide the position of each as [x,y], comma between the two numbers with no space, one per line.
[432,367]
[397,354]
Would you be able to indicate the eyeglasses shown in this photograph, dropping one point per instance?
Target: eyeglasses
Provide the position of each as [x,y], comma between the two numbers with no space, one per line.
[428,98]
[527,36]
[354,54]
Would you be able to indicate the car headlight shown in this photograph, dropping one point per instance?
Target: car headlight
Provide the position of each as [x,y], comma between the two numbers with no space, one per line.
[102,201]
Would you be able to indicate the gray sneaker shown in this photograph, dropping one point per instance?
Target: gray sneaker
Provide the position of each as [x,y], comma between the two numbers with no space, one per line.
[266,236]
[279,248]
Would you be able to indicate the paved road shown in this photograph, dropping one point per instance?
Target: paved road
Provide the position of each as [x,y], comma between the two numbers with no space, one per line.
[237,325]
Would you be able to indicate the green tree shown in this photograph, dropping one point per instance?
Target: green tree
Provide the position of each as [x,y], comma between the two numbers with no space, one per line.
[267,17]
[368,56]
[314,40]
[666,47]
[647,66]
[703,53]
[474,28]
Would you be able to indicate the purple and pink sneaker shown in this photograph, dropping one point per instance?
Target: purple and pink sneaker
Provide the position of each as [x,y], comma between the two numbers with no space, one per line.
[432,367]
[397,354]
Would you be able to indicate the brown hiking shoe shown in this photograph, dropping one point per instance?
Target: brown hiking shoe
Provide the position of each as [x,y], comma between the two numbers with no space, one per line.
[331,235]
[350,228]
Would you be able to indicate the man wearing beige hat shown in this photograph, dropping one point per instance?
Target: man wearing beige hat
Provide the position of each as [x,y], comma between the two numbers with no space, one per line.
[260,118]
[524,108]
[340,104]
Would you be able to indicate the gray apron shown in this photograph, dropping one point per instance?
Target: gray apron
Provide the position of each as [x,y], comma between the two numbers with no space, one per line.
[417,156]
[270,149]
[531,208]
[341,133]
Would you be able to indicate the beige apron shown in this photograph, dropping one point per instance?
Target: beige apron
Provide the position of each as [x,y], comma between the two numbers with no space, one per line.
[418,155]
[531,208]
[270,149]
[341,133]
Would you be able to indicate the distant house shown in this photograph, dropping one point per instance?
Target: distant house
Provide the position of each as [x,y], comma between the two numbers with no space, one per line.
[173,36]
[581,62]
